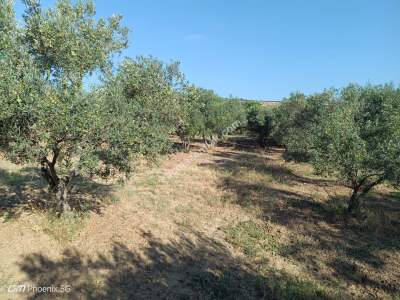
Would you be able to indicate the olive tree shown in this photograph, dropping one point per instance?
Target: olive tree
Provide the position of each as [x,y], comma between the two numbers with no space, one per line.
[50,120]
[229,114]
[359,141]
[151,92]
[286,119]
[217,116]
[208,101]
[190,122]
[20,81]
[296,120]
[8,26]
[259,122]
[253,115]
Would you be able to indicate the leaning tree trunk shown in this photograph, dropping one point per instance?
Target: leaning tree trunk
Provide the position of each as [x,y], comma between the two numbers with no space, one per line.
[360,189]
[58,187]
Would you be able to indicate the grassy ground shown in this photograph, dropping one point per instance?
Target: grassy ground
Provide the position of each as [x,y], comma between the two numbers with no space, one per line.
[237,222]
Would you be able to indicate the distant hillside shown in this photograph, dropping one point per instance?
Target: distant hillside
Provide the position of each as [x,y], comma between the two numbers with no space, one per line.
[269,102]
[263,102]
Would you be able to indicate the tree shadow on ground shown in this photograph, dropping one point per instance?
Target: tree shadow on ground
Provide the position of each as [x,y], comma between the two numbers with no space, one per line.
[320,232]
[191,266]
[234,162]
[241,143]
[196,145]
[13,187]
[353,272]
[395,196]
[25,189]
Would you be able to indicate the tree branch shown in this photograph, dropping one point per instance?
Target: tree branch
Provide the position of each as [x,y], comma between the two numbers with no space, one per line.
[368,187]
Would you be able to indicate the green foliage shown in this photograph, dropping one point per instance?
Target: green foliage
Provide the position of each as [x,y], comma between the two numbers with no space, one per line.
[67,42]
[147,94]
[287,115]
[209,115]
[296,121]
[19,80]
[259,121]
[224,114]
[191,121]
[253,115]
[48,118]
[7,27]
[353,134]
[360,140]
[209,102]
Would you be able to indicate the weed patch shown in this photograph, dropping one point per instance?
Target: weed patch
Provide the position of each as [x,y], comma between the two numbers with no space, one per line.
[64,228]
[252,238]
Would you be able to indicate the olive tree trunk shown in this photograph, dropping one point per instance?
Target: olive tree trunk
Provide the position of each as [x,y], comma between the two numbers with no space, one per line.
[354,202]
[361,188]
[205,141]
[58,187]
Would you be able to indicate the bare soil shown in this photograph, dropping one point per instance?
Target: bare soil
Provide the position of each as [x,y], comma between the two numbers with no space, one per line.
[236,222]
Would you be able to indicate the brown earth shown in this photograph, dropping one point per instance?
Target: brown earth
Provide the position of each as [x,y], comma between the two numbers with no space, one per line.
[236,222]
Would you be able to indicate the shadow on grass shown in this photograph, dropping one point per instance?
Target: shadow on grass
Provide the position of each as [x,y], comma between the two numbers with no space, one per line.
[352,272]
[234,161]
[320,231]
[395,196]
[25,189]
[189,267]
[241,143]
[196,145]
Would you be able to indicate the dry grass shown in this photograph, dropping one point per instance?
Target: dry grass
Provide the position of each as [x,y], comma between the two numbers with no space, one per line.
[237,222]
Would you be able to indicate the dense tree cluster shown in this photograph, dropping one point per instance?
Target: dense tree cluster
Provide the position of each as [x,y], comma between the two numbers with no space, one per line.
[352,133]
[359,139]
[50,119]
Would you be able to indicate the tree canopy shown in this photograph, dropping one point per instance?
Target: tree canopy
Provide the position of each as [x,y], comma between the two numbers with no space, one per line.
[48,118]
[360,140]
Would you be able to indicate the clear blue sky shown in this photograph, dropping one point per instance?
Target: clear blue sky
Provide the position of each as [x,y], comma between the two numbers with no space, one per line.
[260,49]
